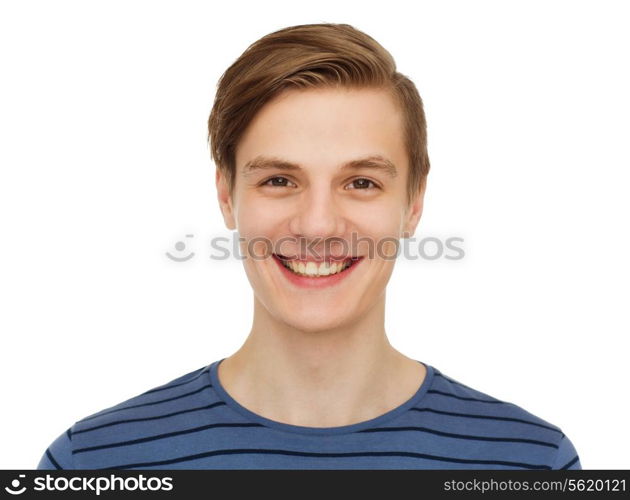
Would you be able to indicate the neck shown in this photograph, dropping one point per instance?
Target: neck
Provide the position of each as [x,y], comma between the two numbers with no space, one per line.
[340,376]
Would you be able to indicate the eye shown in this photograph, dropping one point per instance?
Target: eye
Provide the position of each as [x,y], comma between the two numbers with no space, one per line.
[282,184]
[363,184]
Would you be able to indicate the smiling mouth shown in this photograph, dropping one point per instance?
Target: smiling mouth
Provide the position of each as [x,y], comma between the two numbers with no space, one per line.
[313,269]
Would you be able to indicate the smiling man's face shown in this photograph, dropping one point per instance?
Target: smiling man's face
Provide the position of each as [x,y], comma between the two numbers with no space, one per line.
[327,166]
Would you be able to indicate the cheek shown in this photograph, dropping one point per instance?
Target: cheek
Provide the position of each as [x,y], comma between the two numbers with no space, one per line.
[383,219]
[381,225]
[256,217]
[260,223]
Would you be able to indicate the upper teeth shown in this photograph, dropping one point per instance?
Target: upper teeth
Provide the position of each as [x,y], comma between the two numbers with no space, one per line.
[314,269]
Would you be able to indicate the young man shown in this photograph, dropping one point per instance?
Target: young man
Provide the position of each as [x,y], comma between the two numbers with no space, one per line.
[320,147]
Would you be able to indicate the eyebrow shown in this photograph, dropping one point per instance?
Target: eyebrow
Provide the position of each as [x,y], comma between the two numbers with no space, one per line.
[375,162]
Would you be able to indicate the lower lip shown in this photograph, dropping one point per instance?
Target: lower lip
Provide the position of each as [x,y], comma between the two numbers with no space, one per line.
[321,282]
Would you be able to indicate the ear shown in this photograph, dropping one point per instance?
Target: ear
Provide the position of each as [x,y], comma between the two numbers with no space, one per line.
[414,212]
[225,200]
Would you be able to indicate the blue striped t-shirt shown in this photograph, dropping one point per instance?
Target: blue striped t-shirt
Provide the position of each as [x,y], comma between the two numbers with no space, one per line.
[191,422]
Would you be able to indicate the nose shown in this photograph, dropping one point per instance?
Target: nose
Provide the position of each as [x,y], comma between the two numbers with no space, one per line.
[317,215]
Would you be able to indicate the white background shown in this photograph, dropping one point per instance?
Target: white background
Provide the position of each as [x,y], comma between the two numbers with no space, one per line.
[105,166]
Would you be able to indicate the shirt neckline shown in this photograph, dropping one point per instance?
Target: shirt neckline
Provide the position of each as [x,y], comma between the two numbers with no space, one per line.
[300,429]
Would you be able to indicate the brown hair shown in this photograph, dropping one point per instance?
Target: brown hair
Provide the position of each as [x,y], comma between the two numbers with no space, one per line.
[312,55]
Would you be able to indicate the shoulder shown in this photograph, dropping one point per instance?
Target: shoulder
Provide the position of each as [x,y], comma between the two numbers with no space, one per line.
[486,425]
[58,455]
[187,385]
[127,419]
